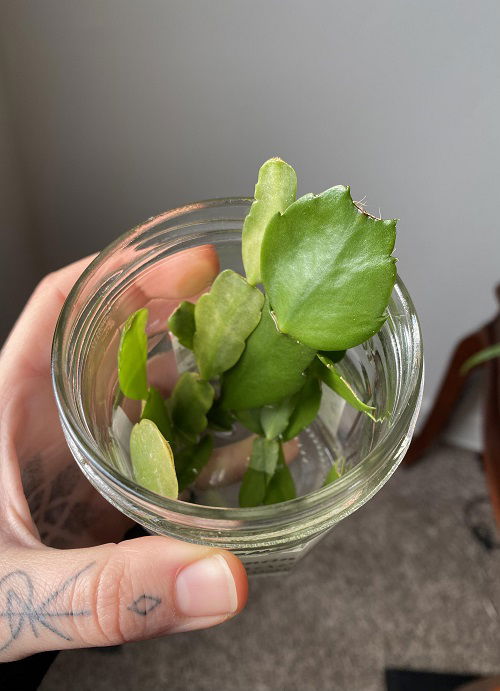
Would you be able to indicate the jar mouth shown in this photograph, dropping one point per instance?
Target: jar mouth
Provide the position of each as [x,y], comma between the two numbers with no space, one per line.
[372,465]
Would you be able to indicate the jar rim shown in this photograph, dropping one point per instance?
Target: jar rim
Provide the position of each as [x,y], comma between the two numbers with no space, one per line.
[353,479]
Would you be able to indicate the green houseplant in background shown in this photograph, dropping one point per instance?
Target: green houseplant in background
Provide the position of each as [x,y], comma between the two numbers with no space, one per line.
[319,276]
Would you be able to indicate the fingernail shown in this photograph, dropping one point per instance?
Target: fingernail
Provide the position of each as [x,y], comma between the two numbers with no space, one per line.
[206,588]
[195,623]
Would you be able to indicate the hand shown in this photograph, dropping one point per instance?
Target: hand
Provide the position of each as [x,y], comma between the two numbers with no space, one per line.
[59,586]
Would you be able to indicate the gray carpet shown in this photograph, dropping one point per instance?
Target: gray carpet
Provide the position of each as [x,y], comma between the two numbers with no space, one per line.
[401,583]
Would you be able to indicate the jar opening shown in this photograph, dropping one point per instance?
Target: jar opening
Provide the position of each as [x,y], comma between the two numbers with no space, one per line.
[389,368]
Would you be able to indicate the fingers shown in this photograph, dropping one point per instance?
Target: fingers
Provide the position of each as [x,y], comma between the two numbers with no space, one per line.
[31,338]
[107,595]
[179,276]
[29,425]
[228,463]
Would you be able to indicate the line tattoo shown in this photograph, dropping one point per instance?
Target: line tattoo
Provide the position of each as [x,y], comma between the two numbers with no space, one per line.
[144,604]
[19,609]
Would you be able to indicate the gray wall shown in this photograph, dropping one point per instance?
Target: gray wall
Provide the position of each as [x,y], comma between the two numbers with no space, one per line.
[121,108]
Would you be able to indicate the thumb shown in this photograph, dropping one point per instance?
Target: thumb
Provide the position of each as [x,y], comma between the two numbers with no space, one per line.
[106,595]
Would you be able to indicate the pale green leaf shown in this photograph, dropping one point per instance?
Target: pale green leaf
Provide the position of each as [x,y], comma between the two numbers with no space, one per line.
[189,404]
[306,404]
[225,317]
[327,372]
[181,323]
[156,410]
[274,419]
[261,468]
[270,368]
[480,357]
[328,271]
[132,356]
[152,459]
[275,191]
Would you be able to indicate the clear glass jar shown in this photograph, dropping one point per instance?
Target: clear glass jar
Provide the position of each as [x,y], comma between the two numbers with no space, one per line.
[387,370]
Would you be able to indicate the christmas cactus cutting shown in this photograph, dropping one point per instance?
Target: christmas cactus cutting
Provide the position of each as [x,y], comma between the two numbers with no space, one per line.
[264,348]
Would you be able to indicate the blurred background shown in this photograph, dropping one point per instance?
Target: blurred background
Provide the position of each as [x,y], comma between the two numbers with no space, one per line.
[114,110]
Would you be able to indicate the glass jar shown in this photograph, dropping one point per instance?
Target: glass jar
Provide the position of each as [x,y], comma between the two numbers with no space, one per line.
[387,371]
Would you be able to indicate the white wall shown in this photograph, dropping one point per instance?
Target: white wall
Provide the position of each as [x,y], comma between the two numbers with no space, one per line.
[124,108]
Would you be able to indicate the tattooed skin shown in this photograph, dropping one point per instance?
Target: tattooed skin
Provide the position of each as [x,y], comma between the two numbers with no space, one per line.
[66,509]
[20,611]
[144,604]
[53,508]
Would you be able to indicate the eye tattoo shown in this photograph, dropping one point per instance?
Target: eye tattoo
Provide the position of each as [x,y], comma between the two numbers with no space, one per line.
[144,604]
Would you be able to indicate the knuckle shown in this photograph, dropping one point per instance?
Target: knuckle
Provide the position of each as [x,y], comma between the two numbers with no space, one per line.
[46,283]
[110,590]
[49,287]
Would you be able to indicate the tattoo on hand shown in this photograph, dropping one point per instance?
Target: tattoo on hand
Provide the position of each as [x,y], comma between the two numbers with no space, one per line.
[55,503]
[144,604]
[19,609]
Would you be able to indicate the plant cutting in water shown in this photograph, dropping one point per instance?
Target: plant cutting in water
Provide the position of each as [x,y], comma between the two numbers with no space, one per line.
[319,276]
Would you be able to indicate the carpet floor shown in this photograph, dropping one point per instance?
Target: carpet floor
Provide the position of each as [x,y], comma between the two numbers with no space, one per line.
[411,580]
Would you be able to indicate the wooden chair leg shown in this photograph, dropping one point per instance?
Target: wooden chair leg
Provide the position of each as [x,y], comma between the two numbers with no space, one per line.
[491,454]
[449,391]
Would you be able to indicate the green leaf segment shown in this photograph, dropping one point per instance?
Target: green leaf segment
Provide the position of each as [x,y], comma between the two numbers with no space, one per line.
[264,356]
[182,324]
[270,368]
[328,271]
[224,319]
[274,192]
[132,356]
[327,372]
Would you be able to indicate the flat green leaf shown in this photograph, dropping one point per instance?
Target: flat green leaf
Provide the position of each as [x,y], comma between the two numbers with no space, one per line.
[270,368]
[133,355]
[253,488]
[181,324]
[281,486]
[190,401]
[156,410]
[328,270]
[480,357]
[326,371]
[335,472]
[194,458]
[274,419]
[225,317]
[306,404]
[250,419]
[152,459]
[261,468]
[275,191]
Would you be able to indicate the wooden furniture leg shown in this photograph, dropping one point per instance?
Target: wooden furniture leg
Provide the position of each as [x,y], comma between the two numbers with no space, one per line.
[491,451]
[450,390]
[448,394]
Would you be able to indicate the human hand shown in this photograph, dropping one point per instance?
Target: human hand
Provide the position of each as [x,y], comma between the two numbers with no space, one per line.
[59,586]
